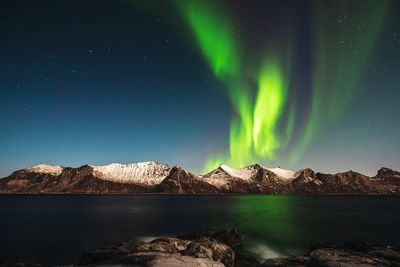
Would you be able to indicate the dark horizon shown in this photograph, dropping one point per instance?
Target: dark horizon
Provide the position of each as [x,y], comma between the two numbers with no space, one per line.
[294,170]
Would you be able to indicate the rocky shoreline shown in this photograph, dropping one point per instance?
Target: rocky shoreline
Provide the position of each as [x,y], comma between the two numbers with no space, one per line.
[223,248]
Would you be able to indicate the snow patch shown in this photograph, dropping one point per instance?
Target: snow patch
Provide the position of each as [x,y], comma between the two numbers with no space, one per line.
[282,173]
[221,176]
[243,173]
[43,168]
[148,173]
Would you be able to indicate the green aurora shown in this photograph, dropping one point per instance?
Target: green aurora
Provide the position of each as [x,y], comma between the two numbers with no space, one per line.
[339,61]
[264,120]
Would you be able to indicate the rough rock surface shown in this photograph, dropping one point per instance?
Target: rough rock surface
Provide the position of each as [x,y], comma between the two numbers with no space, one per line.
[183,261]
[213,249]
[349,255]
[180,181]
[388,176]
[268,182]
[199,250]
[217,249]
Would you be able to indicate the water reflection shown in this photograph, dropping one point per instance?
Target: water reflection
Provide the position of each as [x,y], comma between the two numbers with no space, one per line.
[272,224]
[289,225]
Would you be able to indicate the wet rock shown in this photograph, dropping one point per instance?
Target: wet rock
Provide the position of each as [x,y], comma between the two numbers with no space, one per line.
[330,257]
[184,261]
[217,249]
[173,251]
[164,244]
[200,249]
[213,249]
[349,255]
[230,237]
[179,244]
[161,259]
[144,258]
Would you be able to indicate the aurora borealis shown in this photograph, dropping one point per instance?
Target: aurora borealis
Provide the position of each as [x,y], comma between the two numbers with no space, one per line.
[199,83]
[253,130]
[337,70]
[259,129]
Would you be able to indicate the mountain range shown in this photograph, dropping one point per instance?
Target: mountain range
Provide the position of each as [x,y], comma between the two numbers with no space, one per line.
[152,177]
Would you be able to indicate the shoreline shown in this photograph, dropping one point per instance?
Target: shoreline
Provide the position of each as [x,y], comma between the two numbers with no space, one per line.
[223,248]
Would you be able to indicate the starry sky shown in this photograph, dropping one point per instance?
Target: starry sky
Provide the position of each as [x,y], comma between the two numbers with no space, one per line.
[197,83]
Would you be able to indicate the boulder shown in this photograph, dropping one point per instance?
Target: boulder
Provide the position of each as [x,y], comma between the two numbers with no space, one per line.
[350,254]
[212,249]
[217,249]
[164,244]
[161,259]
[230,237]
[183,261]
[332,257]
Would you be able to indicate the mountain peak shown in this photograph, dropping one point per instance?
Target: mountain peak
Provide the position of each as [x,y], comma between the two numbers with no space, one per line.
[387,173]
[307,172]
[148,172]
[278,171]
[256,166]
[238,173]
[286,174]
[44,168]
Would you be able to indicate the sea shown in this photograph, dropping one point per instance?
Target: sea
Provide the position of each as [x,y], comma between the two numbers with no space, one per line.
[57,229]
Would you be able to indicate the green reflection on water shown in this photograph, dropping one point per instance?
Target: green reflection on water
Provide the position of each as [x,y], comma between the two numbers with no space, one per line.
[277,221]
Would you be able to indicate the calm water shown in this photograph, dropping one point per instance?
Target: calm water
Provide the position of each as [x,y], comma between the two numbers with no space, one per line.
[57,229]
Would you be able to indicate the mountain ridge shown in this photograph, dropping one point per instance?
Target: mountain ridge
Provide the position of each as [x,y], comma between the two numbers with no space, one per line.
[153,177]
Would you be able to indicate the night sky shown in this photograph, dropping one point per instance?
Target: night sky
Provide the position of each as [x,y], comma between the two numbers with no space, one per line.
[197,83]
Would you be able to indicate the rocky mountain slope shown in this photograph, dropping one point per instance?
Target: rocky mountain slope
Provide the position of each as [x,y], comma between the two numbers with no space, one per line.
[152,177]
[181,181]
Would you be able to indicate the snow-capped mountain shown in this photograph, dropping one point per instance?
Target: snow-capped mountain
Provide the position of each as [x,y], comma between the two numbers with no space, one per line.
[282,173]
[181,181]
[224,177]
[43,168]
[113,178]
[227,178]
[152,177]
[148,173]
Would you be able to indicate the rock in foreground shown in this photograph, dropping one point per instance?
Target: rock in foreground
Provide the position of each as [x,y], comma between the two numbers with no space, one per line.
[200,249]
[217,249]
